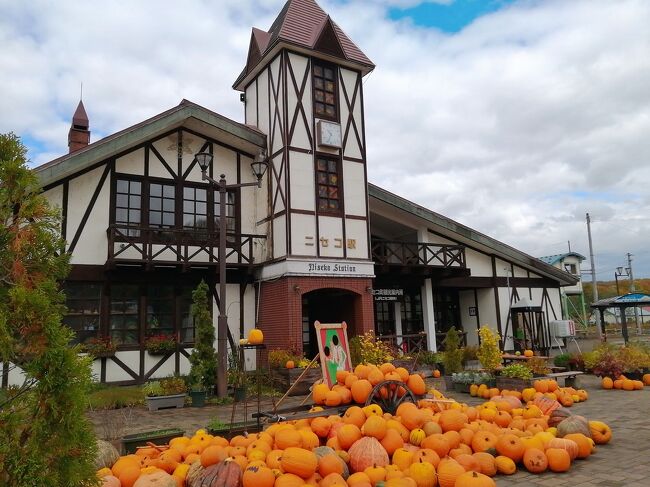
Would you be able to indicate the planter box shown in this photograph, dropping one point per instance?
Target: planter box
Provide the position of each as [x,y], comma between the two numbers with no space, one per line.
[449,383]
[164,402]
[157,437]
[513,384]
[284,378]
[229,432]
[464,388]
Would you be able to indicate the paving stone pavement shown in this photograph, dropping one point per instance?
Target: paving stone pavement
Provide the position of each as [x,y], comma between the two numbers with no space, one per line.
[623,462]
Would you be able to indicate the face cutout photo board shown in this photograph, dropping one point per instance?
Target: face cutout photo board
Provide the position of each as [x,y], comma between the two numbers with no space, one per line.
[333,349]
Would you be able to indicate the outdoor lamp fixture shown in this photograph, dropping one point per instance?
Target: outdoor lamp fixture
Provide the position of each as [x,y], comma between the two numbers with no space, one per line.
[259,165]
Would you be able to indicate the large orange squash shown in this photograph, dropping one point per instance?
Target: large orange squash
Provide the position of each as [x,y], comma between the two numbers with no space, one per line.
[299,461]
[438,443]
[600,432]
[367,452]
[374,426]
[416,384]
[565,444]
[474,479]
[452,420]
[392,441]
[286,438]
[347,435]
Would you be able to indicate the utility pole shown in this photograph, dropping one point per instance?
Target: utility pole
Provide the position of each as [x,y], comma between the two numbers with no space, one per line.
[633,289]
[594,283]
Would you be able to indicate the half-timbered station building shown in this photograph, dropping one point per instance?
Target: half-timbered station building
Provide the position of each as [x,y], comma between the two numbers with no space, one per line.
[315,242]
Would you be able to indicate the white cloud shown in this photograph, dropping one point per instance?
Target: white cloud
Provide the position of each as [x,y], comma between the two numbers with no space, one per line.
[517,125]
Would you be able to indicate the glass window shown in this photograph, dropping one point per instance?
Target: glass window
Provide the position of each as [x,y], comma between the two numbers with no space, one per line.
[162,205]
[124,314]
[231,221]
[412,318]
[187,320]
[128,206]
[327,185]
[160,310]
[385,317]
[83,300]
[324,80]
[195,208]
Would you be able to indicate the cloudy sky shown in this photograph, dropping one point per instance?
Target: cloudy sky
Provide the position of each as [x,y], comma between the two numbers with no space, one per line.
[514,117]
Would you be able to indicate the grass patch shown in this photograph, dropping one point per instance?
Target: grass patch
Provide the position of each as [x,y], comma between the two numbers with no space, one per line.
[115,397]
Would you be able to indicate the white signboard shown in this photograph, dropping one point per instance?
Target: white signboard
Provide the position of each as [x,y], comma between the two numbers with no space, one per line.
[331,268]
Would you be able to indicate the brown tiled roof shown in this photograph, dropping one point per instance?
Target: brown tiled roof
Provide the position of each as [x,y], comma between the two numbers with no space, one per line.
[301,22]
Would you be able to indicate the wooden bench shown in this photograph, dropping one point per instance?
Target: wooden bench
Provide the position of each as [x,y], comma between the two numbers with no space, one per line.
[569,377]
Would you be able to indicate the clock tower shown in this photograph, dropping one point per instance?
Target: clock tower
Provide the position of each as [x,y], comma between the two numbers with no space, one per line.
[302,86]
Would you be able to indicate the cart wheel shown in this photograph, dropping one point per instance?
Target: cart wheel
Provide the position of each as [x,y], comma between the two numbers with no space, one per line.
[389,394]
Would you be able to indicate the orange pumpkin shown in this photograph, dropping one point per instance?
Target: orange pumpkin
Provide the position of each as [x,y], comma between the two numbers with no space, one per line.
[332,398]
[564,444]
[347,435]
[600,432]
[330,463]
[646,379]
[423,473]
[585,445]
[319,393]
[452,420]
[374,426]
[299,461]
[287,438]
[484,440]
[505,465]
[290,364]
[320,426]
[528,353]
[436,374]
[448,472]
[255,336]
[361,389]
[474,479]
[487,463]
[289,480]
[367,452]
[535,460]
[426,455]
[402,458]
[258,477]
[438,443]
[416,384]
[392,441]
[468,462]
[510,445]
[559,460]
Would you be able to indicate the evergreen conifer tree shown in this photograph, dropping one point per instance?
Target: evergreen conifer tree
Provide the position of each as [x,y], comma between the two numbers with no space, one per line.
[45,438]
[204,358]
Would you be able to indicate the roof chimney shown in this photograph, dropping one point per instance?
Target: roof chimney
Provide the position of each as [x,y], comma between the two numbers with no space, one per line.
[79,135]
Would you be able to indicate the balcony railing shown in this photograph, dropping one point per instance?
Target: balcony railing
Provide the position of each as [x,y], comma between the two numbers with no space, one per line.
[412,343]
[418,254]
[137,244]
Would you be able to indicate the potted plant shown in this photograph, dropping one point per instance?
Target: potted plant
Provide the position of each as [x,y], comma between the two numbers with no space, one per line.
[169,392]
[634,360]
[160,344]
[463,380]
[514,377]
[452,357]
[562,360]
[489,353]
[470,357]
[236,376]
[99,347]
[203,360]
[287,366]
[577,362]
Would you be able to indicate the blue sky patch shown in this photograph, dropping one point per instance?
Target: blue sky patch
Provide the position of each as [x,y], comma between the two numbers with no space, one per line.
[450,18]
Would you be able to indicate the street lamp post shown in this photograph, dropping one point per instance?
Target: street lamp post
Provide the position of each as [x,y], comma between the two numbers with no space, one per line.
[259,165]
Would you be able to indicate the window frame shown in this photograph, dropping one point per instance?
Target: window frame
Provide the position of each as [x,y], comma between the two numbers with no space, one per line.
[339,172]
[325,65]
[83,314]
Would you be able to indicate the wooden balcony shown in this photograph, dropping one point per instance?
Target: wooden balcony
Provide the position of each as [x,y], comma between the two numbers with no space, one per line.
[177,247]
[412,343]
[418,254]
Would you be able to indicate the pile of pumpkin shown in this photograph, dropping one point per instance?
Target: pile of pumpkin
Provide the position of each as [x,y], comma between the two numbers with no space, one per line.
[625,384]
[424,445]
[356,386]
[566,396]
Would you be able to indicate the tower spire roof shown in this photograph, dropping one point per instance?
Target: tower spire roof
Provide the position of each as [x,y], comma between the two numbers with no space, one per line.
[80,118]
[303,23]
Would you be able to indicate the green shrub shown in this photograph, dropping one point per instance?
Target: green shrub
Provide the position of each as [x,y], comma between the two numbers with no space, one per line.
[562,360]
[452,357]
[517,371]
[368,349]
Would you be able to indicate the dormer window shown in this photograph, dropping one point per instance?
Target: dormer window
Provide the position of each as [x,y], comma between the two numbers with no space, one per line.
[571,269]
[325,91]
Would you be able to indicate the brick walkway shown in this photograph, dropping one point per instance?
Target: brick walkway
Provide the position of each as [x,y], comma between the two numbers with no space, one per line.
[622,463]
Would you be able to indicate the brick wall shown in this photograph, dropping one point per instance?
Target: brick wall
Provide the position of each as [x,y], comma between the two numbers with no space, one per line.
[280,314]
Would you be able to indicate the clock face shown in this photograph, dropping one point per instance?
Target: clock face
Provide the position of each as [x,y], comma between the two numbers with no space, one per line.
[329,134]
